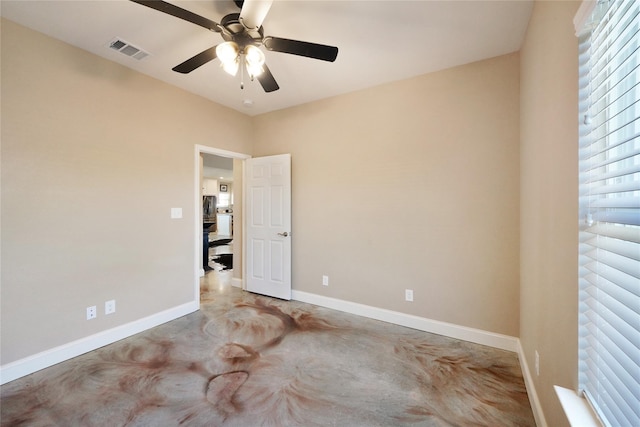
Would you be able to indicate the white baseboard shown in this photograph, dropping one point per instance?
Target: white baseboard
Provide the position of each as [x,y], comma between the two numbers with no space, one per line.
[237,283]
[36,362]
[536,407]
[478,336]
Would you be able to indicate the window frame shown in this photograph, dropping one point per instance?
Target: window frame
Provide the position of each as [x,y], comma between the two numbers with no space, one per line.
[616,186]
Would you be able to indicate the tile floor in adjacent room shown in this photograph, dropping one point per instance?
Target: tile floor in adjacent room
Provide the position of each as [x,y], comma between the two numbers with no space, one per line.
[249,360]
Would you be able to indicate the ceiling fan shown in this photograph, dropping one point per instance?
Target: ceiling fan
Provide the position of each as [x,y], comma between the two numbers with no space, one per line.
[242,34]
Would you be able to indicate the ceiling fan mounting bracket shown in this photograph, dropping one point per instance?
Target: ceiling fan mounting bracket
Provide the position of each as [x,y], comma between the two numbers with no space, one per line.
[233,30]
[247,27]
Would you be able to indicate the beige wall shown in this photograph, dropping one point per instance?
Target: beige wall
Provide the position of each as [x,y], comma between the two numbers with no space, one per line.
[94,156]
[549,201]
[413,184]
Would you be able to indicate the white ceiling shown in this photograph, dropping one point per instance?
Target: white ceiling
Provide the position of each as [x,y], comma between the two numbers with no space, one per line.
[216,167]
[378,41]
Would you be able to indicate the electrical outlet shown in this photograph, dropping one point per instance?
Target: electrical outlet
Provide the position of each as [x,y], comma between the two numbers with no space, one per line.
[92,312]
[537,364]
[408,294]
[325,280]
[110,307]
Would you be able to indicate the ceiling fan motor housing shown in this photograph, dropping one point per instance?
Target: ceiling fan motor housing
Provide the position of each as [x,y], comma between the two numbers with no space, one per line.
[238,33]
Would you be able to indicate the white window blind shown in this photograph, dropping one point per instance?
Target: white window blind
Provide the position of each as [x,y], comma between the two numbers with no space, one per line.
[609,163]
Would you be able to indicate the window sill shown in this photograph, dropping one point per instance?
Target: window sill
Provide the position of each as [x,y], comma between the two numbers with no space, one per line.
[576,409]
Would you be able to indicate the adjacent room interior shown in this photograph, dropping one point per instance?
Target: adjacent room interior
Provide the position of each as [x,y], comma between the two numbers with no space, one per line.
[217,212]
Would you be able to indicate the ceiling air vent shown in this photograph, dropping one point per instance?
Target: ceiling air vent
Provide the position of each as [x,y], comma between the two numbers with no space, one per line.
[127,49]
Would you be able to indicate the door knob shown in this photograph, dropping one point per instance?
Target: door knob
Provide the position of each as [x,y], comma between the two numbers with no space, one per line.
[285,234]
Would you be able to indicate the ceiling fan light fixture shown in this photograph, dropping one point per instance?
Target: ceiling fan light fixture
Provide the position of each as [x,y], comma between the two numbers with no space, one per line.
[231,67]
[228,53]
[254,59]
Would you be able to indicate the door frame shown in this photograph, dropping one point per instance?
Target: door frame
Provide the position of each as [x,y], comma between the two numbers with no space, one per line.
[198,150]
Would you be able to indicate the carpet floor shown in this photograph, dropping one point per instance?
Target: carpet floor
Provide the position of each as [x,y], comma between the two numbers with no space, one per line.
[247,360]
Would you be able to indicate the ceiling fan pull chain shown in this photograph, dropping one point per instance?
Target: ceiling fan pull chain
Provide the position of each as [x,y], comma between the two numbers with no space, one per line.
[241,72]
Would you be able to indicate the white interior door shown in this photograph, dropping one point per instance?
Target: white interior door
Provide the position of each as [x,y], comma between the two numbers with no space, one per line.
[268,222]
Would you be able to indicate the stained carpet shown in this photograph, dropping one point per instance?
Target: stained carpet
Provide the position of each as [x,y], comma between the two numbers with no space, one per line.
[246,360]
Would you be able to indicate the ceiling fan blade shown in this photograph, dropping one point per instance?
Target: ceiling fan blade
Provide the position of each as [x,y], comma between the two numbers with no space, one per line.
[197,61]
[253,12]
[296,47]
[267,81]
[178,12]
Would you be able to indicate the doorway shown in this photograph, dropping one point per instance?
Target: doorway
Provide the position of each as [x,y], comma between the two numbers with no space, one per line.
[217,212]
[218,201]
